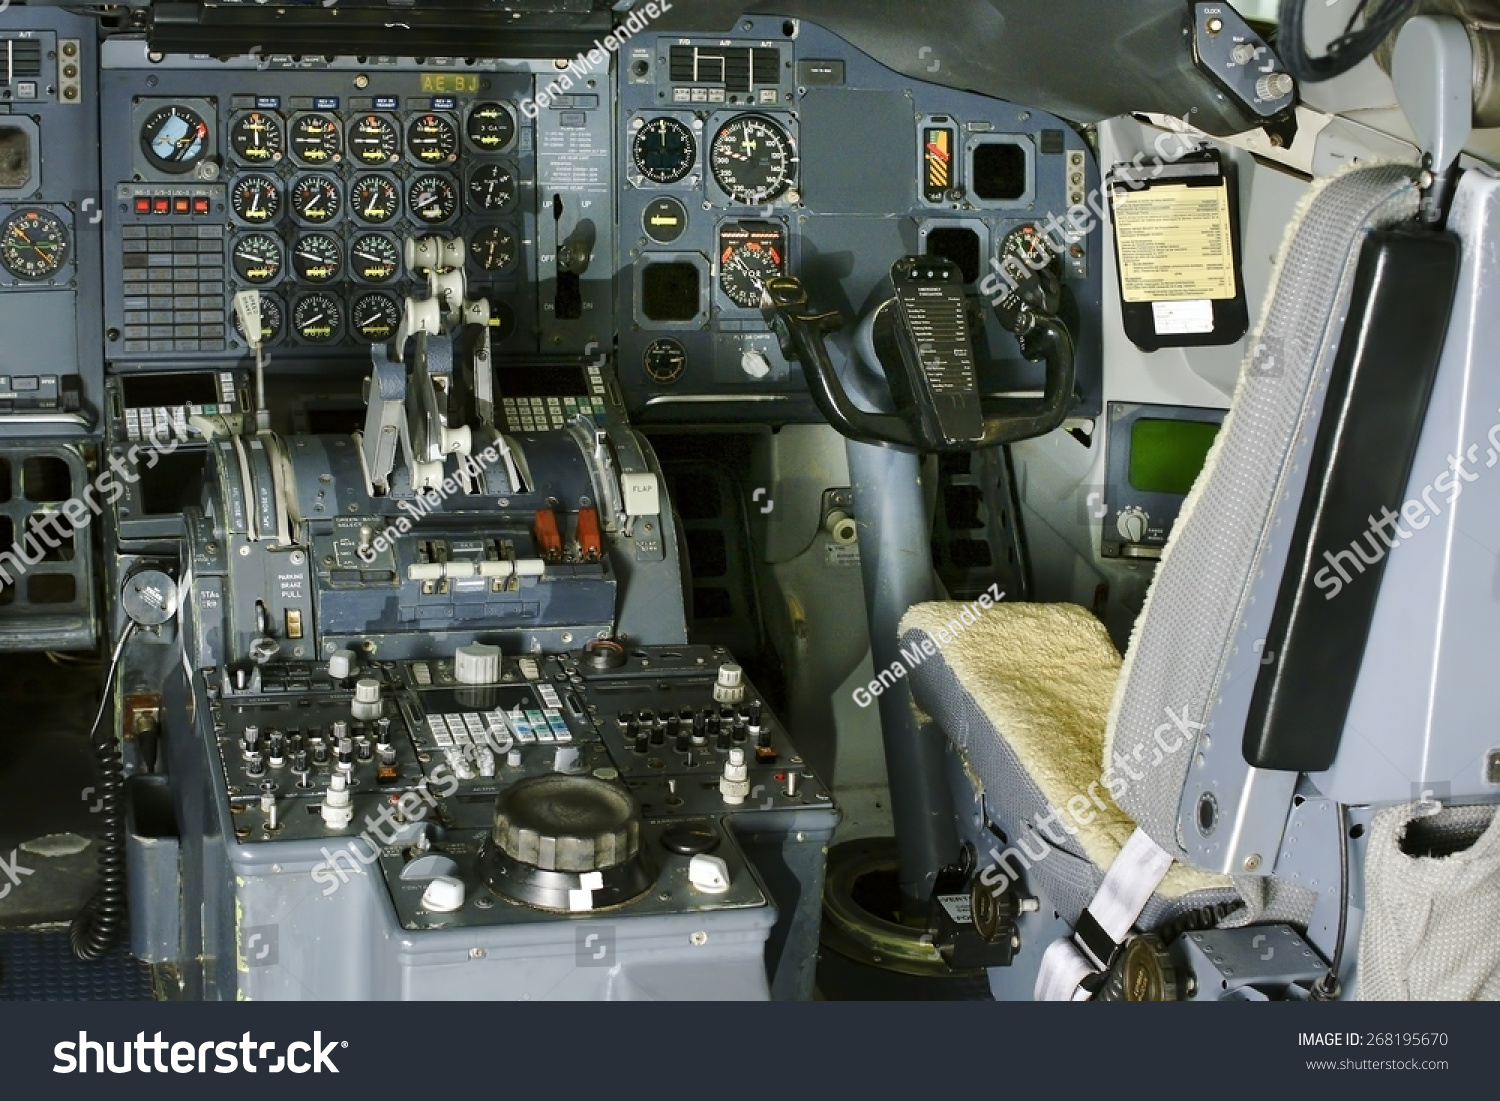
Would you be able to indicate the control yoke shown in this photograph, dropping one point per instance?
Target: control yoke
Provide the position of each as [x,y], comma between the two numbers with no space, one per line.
[923,342]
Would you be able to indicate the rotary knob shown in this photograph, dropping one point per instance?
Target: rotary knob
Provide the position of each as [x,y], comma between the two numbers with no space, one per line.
[1274,86]
[342,664]
[1132,524]
[476,664]
[567,823]
[730,685]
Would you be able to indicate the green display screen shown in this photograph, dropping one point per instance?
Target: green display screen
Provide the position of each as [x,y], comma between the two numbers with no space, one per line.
[1167,455]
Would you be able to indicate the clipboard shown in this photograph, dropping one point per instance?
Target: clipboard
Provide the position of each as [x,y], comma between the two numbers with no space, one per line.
[1177,252]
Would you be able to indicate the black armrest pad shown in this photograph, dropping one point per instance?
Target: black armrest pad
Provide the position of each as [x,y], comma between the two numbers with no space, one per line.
[1361,462]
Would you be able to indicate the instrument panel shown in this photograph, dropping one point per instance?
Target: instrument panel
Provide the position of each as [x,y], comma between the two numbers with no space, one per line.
[305,186]
[780,150]
[636,208]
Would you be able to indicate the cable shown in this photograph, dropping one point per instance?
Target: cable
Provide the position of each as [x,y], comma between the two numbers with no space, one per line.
[1381,17]
[1328,988]
[99,924]
[69,659]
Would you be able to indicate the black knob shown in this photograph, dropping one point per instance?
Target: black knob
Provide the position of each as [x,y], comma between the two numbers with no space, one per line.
[642,743]
[682,744]
[567,823]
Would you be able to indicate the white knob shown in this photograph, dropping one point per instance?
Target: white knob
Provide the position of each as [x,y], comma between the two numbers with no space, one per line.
[476,663]
[1242,54]
[708,874]
[341,664]
[730,687]
[367,690]
[1132,524]
[337,813]
[734,786]
[1274,86]
[444,895]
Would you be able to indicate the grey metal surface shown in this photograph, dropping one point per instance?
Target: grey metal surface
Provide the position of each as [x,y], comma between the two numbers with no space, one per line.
[1254,964]
[1419,717]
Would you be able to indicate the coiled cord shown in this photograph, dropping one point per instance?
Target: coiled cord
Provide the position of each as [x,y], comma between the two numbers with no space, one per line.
[1380,17]
[97,927]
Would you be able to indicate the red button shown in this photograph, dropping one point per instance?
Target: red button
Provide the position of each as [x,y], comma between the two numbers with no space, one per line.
[142,205]
[200,206]
[161,206]
[179,206]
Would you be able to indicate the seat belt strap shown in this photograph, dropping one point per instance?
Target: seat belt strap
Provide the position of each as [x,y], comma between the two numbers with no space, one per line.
[1106,923]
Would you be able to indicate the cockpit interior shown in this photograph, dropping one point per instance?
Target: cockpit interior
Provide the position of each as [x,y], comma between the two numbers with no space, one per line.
[784,500]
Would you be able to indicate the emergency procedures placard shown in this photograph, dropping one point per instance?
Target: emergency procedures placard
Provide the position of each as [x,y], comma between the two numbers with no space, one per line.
[1175,243]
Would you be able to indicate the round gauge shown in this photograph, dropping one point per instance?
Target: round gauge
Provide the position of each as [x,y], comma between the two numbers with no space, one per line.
[1019,243]
[255,199]
[744,267]
[33,245]
[491,127]
[374,200]
[432,199]
[374,317]
[256,138]
[272,319]
[316,199]
[317,258]
[432,139]
[753,159]
[317,317]
[664,360]
[374,258]
[373,139]
[664,150]
[257,258]
[315,139]
[664,220]
[493,248]
[174,139]
[492,187]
